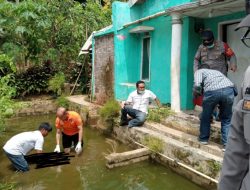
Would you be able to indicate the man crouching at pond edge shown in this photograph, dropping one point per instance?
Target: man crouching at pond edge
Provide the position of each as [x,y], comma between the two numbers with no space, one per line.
[136,106]
[19,145]
[68,125]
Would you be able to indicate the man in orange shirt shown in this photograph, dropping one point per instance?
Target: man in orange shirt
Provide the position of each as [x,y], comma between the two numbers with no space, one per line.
[69,125]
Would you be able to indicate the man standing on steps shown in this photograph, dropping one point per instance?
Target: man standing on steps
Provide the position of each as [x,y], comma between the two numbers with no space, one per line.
[214,53]
[136,106]
[235,173]
[218,90]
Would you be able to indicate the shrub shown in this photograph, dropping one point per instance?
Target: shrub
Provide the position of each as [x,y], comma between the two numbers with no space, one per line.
[110,109]
[109,113]
[7,105]
[56,83]
[33,81]
[62,102]
[6,65]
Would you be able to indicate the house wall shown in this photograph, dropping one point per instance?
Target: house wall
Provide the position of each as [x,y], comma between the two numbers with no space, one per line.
[212,23]
[104,68]
[190,43]
[150,7]
[128,58]
[128,49]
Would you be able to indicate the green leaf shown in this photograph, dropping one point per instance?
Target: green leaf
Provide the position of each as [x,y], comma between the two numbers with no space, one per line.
[20,29]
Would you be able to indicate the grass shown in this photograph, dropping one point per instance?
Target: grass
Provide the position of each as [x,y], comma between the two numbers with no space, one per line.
[7,186]
[110,110]
[153,143]
[157,114]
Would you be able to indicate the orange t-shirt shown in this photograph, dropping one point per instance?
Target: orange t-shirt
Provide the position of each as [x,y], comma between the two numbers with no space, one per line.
[70,126]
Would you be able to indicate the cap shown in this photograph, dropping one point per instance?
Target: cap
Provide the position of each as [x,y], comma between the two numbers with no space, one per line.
[244,23]
[207,35]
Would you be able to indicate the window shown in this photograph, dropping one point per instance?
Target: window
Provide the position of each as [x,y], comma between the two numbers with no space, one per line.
[145,58]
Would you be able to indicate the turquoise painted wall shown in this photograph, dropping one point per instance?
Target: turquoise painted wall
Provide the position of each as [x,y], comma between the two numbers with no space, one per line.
[160,57]
[212,23]
[128,58]
[150,7]
[190,43]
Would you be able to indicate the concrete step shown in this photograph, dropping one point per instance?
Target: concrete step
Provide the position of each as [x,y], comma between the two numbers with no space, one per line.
[190,124]
[198,158]
[191,140]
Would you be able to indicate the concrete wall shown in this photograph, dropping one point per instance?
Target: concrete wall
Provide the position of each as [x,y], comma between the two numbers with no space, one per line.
[104,68]
[36,107]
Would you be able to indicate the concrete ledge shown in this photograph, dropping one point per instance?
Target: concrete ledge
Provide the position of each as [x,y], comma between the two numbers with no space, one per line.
[36,107]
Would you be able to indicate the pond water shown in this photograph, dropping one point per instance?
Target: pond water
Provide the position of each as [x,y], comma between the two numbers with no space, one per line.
[88,171]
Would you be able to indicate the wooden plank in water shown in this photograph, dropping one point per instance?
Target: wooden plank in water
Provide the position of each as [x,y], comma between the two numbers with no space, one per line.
[126,158]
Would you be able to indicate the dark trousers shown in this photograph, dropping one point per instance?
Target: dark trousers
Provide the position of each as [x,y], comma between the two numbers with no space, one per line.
[138,117]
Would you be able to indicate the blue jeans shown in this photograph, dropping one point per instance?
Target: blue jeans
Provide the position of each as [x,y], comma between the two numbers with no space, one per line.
[224,98]
[18,162]
[139,117]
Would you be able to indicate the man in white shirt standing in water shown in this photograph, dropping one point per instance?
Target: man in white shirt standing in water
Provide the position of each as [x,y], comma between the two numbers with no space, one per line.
[21,144]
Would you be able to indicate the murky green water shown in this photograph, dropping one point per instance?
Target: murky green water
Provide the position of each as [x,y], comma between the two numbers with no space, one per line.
[87,172]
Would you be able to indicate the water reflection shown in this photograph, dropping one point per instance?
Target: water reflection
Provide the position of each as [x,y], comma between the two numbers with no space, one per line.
[88,171]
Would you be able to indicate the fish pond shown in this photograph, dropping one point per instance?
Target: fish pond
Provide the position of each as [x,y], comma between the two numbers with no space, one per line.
[87,171]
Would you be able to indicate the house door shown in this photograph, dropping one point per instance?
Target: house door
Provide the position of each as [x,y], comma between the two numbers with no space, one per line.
[241,51]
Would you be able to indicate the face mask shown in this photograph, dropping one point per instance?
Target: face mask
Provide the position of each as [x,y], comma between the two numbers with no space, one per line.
[211,46]
[140,91]
[208,43]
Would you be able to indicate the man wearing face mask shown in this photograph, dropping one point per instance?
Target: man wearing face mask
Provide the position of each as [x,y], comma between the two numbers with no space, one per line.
[214,53]
[136,106]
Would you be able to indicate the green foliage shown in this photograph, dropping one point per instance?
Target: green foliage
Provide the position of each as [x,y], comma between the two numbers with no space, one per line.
[8,186]
[7,105]
[153,143]
[34,31]
[6,65]
[110,109]
[33,81]
[56,83]
[214,168]
[109,114]
[62,102]
[157,114]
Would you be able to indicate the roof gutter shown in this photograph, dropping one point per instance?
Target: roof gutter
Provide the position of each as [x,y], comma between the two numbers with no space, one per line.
[180,8]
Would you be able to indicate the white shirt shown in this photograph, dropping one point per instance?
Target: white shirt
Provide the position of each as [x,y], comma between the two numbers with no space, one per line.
[22,143]
[141,101]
